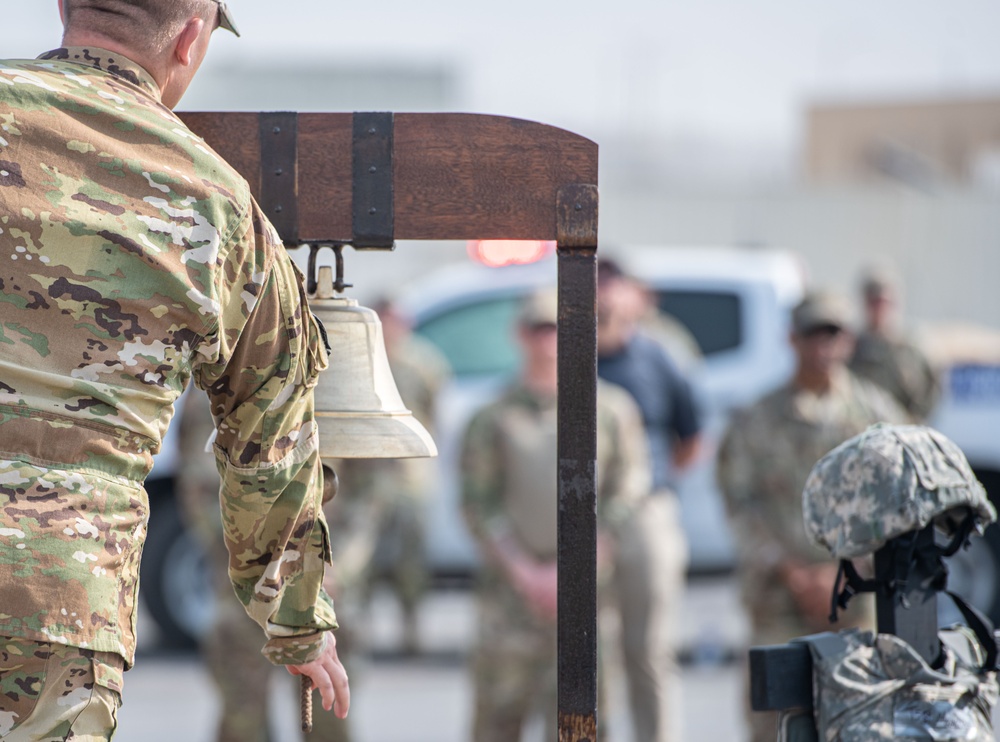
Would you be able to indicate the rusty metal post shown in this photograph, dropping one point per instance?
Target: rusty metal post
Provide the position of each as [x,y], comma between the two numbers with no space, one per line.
[577,467]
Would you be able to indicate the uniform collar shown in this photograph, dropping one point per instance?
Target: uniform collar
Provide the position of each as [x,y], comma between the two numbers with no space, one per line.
[811,407]
[110,62]
[523,395]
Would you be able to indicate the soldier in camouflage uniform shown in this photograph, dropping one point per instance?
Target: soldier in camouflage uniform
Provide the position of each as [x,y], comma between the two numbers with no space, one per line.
[764,460]
[402,485]
[510,502]
[134,260]
[886,357]
[231,649]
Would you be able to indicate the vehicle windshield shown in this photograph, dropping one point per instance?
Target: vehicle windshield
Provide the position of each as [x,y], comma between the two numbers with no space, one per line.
[712,317]
[477,337]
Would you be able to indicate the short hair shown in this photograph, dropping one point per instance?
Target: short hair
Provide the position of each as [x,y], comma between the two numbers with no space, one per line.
[608,270]
[150,24]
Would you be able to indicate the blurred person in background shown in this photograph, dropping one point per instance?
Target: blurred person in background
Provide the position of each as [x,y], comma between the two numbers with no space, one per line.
[231,647]
[403,485]
[663,327]
[378,500]
[884,355]
[510,500]
[764,460]
[652,561]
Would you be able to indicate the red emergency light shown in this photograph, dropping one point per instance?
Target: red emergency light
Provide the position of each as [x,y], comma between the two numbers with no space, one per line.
[497,253]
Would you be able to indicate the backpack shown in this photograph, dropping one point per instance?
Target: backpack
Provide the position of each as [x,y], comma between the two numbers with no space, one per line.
[875,687]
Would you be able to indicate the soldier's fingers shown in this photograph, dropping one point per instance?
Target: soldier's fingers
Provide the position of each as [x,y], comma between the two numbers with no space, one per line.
[323,683]
[341,689]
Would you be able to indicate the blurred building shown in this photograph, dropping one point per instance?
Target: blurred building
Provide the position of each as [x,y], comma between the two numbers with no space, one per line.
[921,142]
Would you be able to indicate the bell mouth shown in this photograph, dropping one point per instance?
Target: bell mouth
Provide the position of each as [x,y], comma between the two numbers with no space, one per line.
[374,435]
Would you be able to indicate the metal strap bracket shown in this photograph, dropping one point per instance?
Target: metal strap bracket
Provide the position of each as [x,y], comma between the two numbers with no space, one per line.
[279,173]
[373,217]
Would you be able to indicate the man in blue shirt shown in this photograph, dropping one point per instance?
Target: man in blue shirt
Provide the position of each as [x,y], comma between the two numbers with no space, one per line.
[651,560]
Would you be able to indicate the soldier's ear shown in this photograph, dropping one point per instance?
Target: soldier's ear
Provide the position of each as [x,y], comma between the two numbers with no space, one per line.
[184,45]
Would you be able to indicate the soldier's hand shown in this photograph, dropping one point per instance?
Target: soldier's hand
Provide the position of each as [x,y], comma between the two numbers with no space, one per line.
[538,583]
[811,586]
[328,675]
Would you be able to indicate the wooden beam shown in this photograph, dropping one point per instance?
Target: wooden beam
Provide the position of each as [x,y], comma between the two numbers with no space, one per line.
[456,176]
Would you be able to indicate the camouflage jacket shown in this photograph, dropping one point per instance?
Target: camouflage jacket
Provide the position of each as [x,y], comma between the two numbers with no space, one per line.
[901,369]
[510,445]
[133,259]
[766,456]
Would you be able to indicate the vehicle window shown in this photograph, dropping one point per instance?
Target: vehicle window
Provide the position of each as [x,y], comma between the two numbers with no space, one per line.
[714,318]
[476,338]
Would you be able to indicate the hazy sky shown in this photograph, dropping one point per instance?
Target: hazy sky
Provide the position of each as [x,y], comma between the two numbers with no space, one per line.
[735,69]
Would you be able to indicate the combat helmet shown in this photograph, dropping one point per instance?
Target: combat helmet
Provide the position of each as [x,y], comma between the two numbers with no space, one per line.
[887,481]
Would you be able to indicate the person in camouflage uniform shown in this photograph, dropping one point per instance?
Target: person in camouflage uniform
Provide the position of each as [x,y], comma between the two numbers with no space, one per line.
[886,357]
[402,485]
[133,261]
[764,460]
[231,650]
[231,647]
[510,502]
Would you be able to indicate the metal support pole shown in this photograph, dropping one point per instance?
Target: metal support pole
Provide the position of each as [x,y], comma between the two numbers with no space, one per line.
[909,610]
[577,467]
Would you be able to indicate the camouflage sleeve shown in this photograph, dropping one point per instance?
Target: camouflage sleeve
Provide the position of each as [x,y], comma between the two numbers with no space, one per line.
[626,478]
[738,475]
[267,355]
[882,406]
[929,386]
[482,479]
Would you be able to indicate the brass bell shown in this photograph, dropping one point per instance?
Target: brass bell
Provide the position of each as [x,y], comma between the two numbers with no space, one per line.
[358,407]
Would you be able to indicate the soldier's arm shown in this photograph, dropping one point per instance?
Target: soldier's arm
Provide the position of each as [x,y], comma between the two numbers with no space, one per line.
[482,479]
[740,479]
[627,475]
[482,470]
[267,354]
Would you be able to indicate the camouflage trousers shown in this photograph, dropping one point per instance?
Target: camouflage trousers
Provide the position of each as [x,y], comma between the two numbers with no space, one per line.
[514,673]
[51,692]
[400,560]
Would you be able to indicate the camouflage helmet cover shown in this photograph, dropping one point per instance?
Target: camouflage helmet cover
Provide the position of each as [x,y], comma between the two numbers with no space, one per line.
[887,481]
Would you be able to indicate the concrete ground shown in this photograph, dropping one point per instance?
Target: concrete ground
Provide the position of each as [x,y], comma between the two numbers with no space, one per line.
[169,697]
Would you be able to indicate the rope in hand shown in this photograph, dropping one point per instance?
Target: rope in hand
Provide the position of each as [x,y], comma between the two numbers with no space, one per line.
[306,705]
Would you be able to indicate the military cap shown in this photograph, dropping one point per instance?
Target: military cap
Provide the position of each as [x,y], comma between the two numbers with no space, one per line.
[539,308]
[887,481]
[821,309]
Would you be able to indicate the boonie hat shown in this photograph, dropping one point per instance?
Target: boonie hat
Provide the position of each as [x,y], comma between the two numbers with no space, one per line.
[820,310]
[225,17]
[887,481]
[539,308]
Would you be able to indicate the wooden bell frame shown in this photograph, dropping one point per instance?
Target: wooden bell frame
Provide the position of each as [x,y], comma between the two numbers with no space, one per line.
[368,179]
